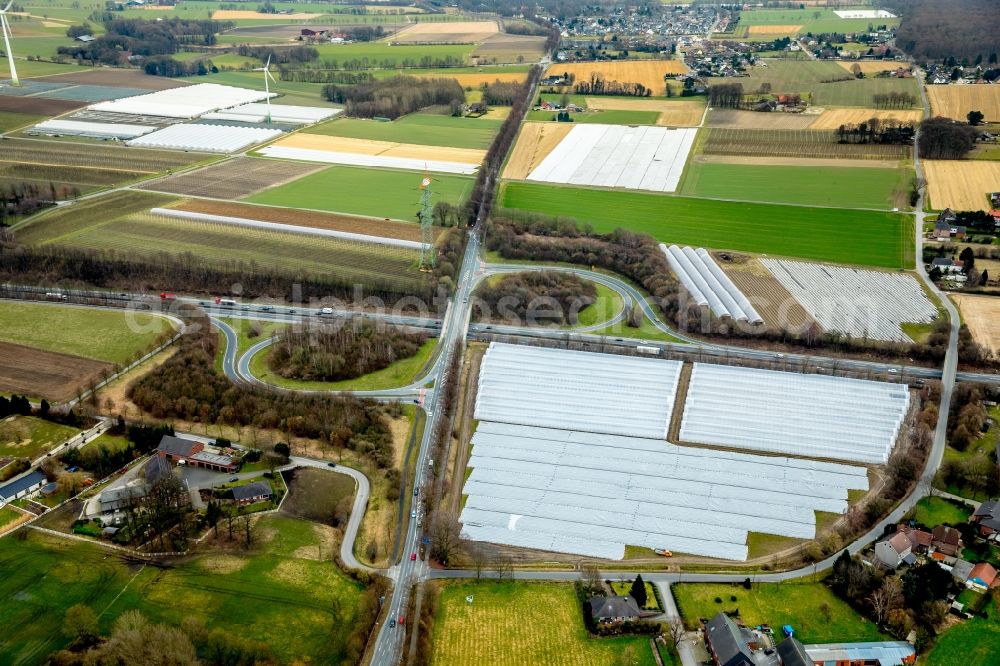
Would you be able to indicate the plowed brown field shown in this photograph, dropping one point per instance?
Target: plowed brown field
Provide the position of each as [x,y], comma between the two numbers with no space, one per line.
[233,179]
[44,374]
[779,308]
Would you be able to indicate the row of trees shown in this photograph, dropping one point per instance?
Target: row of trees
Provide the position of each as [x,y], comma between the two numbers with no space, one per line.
[945,139]
[598,85]
[894,100]
[170,67]
[312,75]
[187,387]
[22,199]
[425,62]
[280,55]
[394,97]
[502,93]
[548,297]
[726,95]
[875,130]
[344,351]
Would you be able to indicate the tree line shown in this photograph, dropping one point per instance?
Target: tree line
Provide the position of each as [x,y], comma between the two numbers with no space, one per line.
[598,85]
[394,97]
[894,100]
[22,199]
[426,62]
[311,75]
[346,351]
[171,67]
[501,93]
[280,55]
[945,139]
[187,387]
[549,297]
[875,130]
[726,95]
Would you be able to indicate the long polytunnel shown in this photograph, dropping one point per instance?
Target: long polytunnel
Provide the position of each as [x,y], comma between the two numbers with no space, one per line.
[809,415]
[557,388]
[720,275]
[708,284]
[592,494]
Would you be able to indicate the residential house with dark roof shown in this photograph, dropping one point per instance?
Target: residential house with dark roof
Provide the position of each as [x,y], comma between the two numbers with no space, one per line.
[23,486]
[728,643]
[258,491]
[189,452]
[116,499]
[961,569]
[894,551]
[793,653]
[946,540]
[155,469]
[946,265]
[610,610]
[987,517]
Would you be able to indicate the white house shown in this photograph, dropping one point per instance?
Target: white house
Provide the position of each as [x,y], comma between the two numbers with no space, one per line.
[894,551]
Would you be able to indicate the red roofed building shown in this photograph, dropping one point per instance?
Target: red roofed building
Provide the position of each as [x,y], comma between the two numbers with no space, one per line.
[984,575]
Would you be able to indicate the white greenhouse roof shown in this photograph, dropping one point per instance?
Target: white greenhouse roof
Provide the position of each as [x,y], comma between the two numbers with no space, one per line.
[592,494]
[856,302]
[183,102]
[280,113]
[359,159]
[557,388]
[708,284]
[208,138]
[92,129]
[797,414]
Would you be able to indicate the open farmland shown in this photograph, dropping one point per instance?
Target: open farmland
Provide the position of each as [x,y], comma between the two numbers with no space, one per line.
[106,76]
[822,83]
[215,244]
[349,190]
[43,374]
[112,336]
[834,118]
[673,113]
[29,436]
[510,624]
[244,14]
[426,129]
[232,179]
[41,106]
[808,19]
[358,225]
[825,234]
[53,225]
[772,301]
[956,101]
[773,30]
[981,314]
[961,184]
[279,593]
[510,48]
[60,153]
[794,143]
[649,73]
[453,32]
[534,143]
[838,187]
[733,119]
[385,54]
[869,67]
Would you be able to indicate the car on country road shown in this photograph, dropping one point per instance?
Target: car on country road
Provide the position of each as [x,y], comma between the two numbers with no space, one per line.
[331,464]
[392,623]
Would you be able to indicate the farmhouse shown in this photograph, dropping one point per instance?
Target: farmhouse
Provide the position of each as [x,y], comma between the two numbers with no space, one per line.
[920,540]
[987,516]
[116,499]
[21,487]
[946,265]
[156,469]
[610,610]
[258,491]
[894,551]
[728,643]
[946,540]
[190,452]
[945,231]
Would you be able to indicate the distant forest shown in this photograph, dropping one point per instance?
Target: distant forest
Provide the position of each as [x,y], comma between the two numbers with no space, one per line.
[939,29]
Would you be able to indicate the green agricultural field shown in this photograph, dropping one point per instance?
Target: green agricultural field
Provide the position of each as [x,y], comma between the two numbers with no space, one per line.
[777,604]
[447,72]
[865,238]
[10,120]
[839,187]
[933,511]
[102,335]
[30,436]
[372,192]
[254,81]
[398,374]
[7,516]
[383,54]
[280,594]
[611,117]
[812,19]
[510,624]
[969,643]
[806,77]
[109,443]
[427,129]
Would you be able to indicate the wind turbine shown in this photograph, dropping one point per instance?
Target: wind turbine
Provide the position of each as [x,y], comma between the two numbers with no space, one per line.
[267,90]
[7,36]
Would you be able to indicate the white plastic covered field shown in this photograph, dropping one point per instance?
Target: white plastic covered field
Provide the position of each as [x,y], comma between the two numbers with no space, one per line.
[789,413]
[634,158]
[280,113]
[593,494]
[574,390]
[183,102]
[863,13]
[359,159]
[856,302]
[708,285]
[208,138]
[94,130]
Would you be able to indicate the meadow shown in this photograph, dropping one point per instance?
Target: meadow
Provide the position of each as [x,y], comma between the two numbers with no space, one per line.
[806,77]
[812,19]
[778,604]
[838,187]
[970,643]
[279,593]
[427,129]
[374,192]
[400,373]
[933,511]
[823,234]
[30,437]
[403,55]
[509,624]
[609,117]
[102,335]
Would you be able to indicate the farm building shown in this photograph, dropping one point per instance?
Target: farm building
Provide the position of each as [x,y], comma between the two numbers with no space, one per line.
[258,491]
[609,610]
[793,653]
[190,452]
[987,516]
[156,469]
[23,486]
[946,265]
[884,653]
[946,540]
[116,499]
[728,643]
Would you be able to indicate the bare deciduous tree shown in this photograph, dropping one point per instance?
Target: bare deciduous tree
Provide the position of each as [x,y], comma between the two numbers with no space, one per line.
[503,566]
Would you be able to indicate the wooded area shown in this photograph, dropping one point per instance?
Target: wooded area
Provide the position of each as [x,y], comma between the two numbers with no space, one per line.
[935,30]
[945,139]
[545,297]
[394,97]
